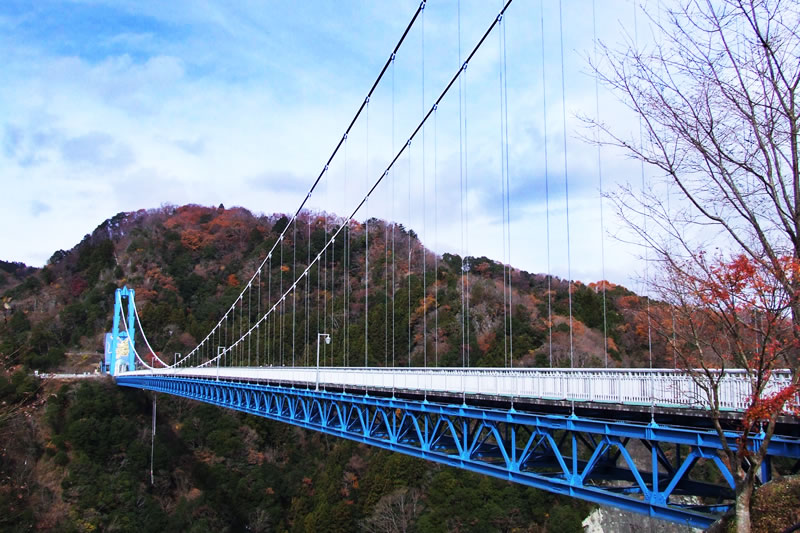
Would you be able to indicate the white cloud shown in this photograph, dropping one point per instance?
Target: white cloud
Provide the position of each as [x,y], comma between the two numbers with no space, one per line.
[241,104]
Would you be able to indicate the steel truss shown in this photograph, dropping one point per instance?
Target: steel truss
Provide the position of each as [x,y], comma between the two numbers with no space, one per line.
[585,458]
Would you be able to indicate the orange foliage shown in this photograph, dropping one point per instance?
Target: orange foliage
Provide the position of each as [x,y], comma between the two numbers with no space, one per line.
[194,239]
[187,215]
[598,286]
[485,341]
[730,293]
[640,324]
[762,408]
[628,302]
[425,306]
[143,295]
[233,281]
[255,457]
[737,313]
[481,268]
[612,345]
[156,277]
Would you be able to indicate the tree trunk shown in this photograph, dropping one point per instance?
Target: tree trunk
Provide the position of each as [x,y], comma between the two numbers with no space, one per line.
[744,492]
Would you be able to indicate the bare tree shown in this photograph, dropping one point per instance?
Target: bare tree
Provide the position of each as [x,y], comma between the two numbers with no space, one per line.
[259,521]
[394,513]
[717,98]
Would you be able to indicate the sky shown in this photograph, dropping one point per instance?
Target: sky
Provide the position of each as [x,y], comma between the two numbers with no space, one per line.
[118,106]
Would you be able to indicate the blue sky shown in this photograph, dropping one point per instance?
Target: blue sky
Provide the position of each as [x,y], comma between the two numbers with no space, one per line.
[116,106]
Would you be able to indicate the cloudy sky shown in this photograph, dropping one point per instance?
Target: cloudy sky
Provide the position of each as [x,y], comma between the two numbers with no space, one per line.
[116,106]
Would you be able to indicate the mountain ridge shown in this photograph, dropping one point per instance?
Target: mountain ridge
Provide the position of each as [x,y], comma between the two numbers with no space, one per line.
[75,454]
[189,263]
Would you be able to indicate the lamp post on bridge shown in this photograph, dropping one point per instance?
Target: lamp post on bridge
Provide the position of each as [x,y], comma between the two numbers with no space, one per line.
[327,341]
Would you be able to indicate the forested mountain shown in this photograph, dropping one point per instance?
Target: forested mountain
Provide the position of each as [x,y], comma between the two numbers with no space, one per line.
[76,456]
[188,264]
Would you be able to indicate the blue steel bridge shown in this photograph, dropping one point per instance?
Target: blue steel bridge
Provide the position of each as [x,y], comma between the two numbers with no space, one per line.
[630,438]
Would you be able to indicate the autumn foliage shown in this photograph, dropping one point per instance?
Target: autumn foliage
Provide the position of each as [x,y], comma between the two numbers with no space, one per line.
[736,313]
[201,226]
[733,313]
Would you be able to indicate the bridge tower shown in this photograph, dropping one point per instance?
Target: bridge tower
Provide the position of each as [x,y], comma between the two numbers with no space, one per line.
[120,355]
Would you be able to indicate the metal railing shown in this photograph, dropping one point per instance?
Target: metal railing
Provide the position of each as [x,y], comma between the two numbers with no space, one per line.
[657,387]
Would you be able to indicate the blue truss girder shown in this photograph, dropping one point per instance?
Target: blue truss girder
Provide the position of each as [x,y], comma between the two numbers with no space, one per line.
[538,450]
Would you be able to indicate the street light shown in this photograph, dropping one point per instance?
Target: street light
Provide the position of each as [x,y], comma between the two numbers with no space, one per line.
[327,341]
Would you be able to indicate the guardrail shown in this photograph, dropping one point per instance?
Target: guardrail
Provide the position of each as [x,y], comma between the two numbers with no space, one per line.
[83,375]
[661,388]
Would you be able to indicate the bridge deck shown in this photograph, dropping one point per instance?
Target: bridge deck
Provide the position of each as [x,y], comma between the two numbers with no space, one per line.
[635,390]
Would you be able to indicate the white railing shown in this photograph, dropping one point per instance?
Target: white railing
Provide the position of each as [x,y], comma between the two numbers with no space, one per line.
[661,388]
[54,375]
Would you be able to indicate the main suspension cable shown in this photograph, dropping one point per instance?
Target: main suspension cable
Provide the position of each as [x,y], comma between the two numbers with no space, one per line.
[131,346]
[144,337]
[379,180]
[331,157]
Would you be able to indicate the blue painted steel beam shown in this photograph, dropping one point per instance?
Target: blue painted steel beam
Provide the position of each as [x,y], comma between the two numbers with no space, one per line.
[124,292]
[541,451]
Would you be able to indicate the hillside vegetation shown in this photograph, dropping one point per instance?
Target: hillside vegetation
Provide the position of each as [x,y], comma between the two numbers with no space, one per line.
[76,456]
[188,265]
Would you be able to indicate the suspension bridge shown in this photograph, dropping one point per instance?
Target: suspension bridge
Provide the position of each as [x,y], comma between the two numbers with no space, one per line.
[303,343]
